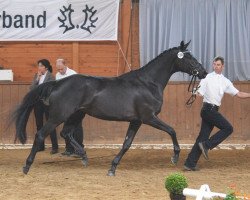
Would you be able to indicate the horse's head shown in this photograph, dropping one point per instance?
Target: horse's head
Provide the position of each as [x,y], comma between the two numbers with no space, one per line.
[185,62]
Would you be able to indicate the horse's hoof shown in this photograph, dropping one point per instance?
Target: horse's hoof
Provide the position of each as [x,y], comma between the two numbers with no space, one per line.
[174,159]
[25,170]
[85,162]
[111,173]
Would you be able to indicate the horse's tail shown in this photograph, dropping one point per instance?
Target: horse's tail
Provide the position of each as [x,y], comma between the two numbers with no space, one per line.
[22,113]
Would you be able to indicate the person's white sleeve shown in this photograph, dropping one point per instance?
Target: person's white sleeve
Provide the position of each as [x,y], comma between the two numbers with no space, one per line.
[202,87]
[230,89]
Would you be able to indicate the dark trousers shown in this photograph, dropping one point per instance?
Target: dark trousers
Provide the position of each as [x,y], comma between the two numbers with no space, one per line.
[210,118]
[78,136]
[40,110]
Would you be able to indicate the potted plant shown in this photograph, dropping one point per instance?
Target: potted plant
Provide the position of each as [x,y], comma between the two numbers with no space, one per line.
[175,184]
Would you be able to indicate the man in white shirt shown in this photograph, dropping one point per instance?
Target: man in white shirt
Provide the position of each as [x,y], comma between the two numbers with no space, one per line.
[212,89]
[63,72]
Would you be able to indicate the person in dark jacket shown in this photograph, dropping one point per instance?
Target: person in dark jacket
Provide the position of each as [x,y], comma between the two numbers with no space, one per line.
[43,75]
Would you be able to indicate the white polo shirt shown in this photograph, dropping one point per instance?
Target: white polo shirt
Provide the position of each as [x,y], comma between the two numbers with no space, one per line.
[68,72]
[213,87]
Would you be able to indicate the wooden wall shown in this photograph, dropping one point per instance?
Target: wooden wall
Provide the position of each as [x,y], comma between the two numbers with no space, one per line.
[186,121]
[107,59]
[95,58]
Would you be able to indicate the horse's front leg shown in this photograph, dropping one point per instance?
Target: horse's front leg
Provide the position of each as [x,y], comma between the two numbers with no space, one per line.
[39,139]
[157,123]
[132,130]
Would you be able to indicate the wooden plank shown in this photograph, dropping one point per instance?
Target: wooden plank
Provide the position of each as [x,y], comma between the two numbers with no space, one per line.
[96,70]
[97,49]
[93,60]
[245,113]
[135,50]
[180,107]
[196,109]
[172,105]
[1,113]
[14,99]
[6,98]
[237,115]
[75,56]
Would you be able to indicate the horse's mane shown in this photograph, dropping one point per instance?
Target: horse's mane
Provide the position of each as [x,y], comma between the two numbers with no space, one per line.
[134,72]
[160,55]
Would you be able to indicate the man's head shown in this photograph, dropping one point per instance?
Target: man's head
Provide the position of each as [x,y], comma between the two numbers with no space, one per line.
[218,64]
[60,66]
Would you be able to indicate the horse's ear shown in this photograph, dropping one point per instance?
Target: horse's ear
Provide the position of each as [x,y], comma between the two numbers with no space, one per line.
[182,45]
[186,45]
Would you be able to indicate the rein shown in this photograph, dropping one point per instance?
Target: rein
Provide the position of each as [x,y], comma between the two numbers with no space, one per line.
[192,89]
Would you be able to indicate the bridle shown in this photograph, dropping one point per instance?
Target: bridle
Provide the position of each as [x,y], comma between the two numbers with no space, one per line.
[191,88]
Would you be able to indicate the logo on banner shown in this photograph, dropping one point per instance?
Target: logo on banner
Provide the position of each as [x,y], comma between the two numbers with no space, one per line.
[88,19]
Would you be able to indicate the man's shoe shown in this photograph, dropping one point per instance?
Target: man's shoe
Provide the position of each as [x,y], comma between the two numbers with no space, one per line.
[67,153]
[186,168]
[54,151]
[204,149]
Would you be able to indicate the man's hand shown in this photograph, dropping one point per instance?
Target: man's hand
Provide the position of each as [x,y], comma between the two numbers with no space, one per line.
[39,74]
[243,95]
[195,90]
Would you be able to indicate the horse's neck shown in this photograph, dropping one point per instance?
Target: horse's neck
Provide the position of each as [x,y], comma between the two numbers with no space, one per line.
[160,70]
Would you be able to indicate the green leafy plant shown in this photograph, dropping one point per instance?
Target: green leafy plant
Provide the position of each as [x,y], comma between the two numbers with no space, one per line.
[175,183]
[231,196]
[232,193]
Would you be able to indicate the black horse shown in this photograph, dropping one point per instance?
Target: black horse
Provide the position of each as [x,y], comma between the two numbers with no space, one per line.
[135,97]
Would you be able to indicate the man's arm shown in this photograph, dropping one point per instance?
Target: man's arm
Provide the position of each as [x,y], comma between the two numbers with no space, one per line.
[243,95]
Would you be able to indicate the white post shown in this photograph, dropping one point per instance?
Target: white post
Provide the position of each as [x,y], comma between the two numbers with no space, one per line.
[203,193]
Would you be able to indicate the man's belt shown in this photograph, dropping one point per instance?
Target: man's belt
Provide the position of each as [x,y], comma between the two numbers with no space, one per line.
[210,106]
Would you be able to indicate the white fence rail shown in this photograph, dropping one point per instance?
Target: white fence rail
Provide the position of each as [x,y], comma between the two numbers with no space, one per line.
[205,193]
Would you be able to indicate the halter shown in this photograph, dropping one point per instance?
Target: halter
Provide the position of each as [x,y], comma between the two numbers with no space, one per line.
[192,83]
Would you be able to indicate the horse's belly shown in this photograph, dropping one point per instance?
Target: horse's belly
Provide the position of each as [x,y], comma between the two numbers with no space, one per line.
[113,112]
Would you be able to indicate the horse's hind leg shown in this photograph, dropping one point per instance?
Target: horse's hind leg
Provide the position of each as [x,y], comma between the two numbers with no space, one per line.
[39,139]
[70,126]
[132,130]
[157,123]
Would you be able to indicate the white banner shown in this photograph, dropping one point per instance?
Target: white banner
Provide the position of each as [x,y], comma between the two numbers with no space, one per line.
[51,20]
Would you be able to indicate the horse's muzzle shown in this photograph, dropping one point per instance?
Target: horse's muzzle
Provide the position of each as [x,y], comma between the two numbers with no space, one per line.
[202,75]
